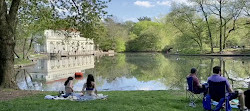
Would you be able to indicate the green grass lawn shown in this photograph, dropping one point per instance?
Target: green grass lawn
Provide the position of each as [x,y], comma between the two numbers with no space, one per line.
[117,101]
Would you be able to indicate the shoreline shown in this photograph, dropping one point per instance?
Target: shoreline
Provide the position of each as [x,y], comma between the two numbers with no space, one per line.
[230,55]
[33,60]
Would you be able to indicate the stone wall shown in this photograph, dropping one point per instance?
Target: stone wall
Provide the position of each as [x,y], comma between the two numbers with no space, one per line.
[65,43]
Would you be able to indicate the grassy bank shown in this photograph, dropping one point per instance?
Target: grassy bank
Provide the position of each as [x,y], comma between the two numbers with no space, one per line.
[230,51]
[117,101]
[22,61]
[19,62]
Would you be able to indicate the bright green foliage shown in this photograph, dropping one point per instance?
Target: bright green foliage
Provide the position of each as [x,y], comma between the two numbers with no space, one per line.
[143,25]
[33,18]
[184,29]
[189,25]
[116,36]
[83,15]
[148,36]
[240,37]
[120,45]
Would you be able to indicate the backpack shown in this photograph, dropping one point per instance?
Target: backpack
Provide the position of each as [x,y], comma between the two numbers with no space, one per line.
[207,102]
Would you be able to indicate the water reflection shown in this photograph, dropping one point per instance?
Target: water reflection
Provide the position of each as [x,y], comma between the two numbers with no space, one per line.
[51,74]
[131,71]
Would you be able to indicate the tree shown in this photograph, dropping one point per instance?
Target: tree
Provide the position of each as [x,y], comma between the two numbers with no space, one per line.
[206,15]
[117,34]
[82,15]
[227,11]
[146,36]
[144,18]
[32,19]
[188,23]
[247,7]
[8,22]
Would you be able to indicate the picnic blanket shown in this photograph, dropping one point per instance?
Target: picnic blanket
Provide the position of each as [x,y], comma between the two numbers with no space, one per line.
[77,97]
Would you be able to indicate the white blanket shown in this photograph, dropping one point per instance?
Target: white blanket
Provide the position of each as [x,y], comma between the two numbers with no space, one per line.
[77,97]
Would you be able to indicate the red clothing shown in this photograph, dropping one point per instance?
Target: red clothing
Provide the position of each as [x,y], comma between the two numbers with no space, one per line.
[196,83]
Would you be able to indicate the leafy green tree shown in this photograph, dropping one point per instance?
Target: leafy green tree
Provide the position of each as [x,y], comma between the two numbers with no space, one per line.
[8,20]
[202,7]
[143,25]
[33,18]
[117,34]
[188,23]
[82,15]
[148,36]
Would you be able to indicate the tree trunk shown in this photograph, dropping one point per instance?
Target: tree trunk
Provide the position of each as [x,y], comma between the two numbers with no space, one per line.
[16,54]
[220,2]
[211,66]
[208,26]
[24,45]
[7,79]
[210,37]
[7,43]
[224,36]
[31,41]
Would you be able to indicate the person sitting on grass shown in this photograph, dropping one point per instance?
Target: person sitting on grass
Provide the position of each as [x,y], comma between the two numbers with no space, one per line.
[89,88]
[68,87]
[216,77]
[197,87]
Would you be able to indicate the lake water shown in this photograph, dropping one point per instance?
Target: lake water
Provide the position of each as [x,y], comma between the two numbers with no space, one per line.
[131,71]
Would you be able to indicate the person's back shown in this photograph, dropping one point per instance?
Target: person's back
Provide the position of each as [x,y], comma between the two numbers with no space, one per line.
[197,87]
[217,90]
[89,90]
[68,87]
[89,87]
[216,77]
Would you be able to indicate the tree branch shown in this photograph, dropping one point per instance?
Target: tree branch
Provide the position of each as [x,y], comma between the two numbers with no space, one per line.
[78,11]
[185,34]
[31,41]
[16,54]
[13,11]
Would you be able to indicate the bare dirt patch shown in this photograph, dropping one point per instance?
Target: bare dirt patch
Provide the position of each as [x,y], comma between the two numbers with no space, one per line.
[9,94]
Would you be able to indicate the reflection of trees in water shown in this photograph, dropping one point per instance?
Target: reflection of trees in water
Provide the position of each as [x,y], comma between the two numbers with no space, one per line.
[169,70]
[172,70]
[110,68]
[236,70]
[23,76]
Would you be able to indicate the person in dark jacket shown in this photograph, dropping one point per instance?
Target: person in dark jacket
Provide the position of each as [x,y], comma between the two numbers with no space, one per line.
[247,96]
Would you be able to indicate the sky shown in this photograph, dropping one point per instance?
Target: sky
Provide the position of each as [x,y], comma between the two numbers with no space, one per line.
[125,10]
